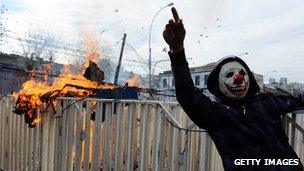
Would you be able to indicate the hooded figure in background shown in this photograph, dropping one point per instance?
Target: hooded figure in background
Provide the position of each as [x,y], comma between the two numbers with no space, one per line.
[243,122]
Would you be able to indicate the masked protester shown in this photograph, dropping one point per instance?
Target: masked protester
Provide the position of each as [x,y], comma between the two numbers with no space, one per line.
[242,122]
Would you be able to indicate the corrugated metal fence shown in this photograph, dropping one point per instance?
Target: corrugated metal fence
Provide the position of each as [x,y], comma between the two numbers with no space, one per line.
[94,134]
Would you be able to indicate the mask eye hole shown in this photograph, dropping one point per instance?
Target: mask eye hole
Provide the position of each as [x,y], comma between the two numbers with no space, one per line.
[242,72]
[229,74]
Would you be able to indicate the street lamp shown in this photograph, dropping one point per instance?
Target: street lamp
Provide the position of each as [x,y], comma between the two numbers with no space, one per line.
[149,62]
[163,60]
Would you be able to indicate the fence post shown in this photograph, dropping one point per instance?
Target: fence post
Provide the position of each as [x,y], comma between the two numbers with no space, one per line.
[207,151]
[293,130]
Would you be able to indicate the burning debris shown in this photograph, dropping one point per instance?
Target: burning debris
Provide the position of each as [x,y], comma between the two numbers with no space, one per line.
[88,81]
[134,81]
[34,94]
[68,84]
[93,73]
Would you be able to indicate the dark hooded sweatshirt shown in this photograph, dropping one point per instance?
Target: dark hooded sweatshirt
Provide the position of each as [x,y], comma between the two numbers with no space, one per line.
[244,129]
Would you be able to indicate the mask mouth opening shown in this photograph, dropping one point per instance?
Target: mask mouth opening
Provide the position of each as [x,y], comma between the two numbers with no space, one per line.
[238,90]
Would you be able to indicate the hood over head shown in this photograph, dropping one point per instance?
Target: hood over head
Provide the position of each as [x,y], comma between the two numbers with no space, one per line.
[213,80]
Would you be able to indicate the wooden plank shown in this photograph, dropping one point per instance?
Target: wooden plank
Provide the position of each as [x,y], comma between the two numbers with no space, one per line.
[78,140]
[117,156]
[6,133]
[22,125]
[112,134]
[124,135]
[40,144]
[172,144]
[106,158]
[25,146]
[30,148]
[156,136]
[17,144]
[148,137]
[166,144]
[191,150]
[202,150]
[45,142]
[188,150]
[87,137]
[129,138]
[63,137]
[71,136]
[161,144]
[178,141]
[51,141]
[143,137]
[97,131]
[58,134]
[135,139]
[57,138]
[3,132]
[207,153]
[14,150]
[10,137]
[185,148]
[36,148]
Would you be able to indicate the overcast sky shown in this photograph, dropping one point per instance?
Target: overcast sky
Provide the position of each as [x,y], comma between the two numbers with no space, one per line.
[268,35]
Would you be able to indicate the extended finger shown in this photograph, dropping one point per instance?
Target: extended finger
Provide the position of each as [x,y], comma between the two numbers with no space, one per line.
[175,14]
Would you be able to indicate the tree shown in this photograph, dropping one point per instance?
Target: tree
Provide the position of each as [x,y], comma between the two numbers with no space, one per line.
[39,46]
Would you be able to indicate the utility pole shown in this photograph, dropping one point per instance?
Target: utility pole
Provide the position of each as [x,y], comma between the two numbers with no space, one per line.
[120,57]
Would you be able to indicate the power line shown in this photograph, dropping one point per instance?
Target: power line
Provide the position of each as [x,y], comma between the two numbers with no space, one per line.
[65,50]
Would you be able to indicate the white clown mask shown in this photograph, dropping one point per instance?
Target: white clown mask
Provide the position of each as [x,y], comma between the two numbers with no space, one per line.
[234,80]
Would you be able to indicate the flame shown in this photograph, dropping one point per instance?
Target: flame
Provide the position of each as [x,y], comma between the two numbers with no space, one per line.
[93,51]
[134,81]
[35,93]
[36,121]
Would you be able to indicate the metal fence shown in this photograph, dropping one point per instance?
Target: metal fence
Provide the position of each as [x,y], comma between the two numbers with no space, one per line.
[94,134]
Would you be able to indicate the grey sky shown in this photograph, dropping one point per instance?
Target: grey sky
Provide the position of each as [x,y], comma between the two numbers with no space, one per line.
[270,31]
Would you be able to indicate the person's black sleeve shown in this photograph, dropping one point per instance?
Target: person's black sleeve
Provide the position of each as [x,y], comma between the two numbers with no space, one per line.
[198,106]
[287,103]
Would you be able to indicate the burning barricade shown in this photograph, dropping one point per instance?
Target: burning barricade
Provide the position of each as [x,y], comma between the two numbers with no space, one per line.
[35,93]
[86,81]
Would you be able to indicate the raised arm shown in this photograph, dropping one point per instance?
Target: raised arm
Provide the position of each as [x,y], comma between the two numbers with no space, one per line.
[198,107]
[282,104]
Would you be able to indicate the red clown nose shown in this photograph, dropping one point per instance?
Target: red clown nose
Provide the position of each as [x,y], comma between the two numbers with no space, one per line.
[238,79]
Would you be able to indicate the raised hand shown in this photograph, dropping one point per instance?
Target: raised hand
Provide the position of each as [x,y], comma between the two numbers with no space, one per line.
[174,33]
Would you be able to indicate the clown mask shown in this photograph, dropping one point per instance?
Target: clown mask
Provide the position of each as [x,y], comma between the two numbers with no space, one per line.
[233,80]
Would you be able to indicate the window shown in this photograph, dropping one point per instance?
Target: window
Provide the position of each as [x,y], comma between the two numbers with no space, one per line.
[165,84]
[197,80]
[205,80]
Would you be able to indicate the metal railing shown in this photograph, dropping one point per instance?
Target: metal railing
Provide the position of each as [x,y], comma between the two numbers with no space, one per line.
[97,134]
[293,123]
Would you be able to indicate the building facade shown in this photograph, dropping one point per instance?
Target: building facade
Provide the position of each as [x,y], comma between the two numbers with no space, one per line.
[199,76]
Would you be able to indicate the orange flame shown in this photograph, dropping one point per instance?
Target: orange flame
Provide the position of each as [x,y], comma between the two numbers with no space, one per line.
[36,121]
[34,93]
[134,81]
